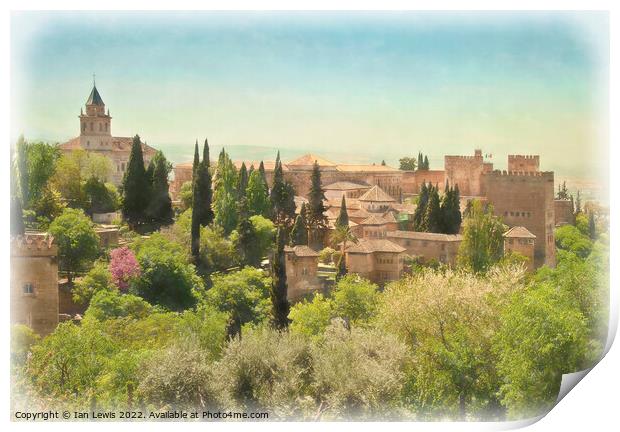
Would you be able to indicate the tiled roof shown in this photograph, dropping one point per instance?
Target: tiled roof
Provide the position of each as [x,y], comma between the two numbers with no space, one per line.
[351,203]
[376,194]
[366,246]
[519,232]
[388,217]
[361,213]
[346,185]
[269,165]
[309,159]
[94,98]
[301,251]
[120,144]
[416,235]
[374,220]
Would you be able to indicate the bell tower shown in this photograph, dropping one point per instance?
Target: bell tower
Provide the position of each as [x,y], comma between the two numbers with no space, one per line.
[96,124]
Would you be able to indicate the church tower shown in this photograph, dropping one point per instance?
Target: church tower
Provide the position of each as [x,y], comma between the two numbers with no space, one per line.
[95,125]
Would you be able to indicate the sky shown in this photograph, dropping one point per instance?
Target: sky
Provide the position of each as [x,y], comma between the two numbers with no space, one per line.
[350,86]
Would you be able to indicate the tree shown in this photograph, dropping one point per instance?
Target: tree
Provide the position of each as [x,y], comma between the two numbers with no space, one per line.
[569,238]
[426,164]
[578,203]
[17,215]
[247,239]
[100,197]
[341,236]
[159,209]
[317,221]
[407,164]
[243,295]
[420,210]
[48,206]
[97,279]
[420,161]
[136,187]
[563,192]
[355,300]
[282,197]
[311,318]
[36,163]
[279,289]
[124,267]
[167,279]
[225,193]
[263,174]
[78,243]
[343,216]
[196,209]
[299,232]
[483,241]
[242,181]
[542,336]
[186,195]
[451,210]
[257,195]
[591,226]
[203,179]
[432,221]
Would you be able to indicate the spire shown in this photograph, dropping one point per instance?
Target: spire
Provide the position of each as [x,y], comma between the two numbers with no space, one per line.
[94,98]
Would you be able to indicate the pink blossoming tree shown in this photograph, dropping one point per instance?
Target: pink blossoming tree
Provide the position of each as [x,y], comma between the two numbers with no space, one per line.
[123,266]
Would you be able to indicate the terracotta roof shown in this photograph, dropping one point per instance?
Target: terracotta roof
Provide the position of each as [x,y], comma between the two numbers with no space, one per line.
[416,235]
[118,144]
[301,251]
[519,232]
[366,246]
[388,217]
[376,194]
[269,165]
[374,220]
[346,185]
[309,159]
[351,203]
[361,168]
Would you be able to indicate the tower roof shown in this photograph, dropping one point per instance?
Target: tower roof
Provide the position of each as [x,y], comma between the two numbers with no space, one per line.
[95,97]
[376,194]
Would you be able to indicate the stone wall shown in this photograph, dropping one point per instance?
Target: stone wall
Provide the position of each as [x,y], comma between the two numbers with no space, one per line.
[523,246]
[523,163]
[564,212]
[467,172]
[438,247]
[412,180]
[526,199]
[301,276]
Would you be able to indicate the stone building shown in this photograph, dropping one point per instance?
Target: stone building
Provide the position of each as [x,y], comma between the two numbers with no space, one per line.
[564,212]
[427,247]
[96,136]
[34,282]
[467,172]
[526,198]
[523,163]
[518,239]
[350,190]
[376,200]
[302,264]
[376,226]
[378,260]
[413,180]
[108,236]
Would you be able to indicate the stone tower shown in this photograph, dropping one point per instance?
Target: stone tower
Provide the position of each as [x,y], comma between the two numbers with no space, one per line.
[523,163]
[95,125]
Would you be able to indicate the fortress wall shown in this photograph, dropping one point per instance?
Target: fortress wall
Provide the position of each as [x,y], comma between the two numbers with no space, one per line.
[466,171]
[523,163]
[526,199]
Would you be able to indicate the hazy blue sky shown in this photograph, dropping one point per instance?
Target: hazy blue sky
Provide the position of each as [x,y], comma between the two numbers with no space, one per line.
[365,84]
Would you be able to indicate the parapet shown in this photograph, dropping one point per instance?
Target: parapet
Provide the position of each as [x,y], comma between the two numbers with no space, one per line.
[33,244]
[507,174]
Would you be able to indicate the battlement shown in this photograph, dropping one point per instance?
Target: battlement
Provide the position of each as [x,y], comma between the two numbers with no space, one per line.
[523,162]
[461,157]
[535,157]
[506,174]
[33,244]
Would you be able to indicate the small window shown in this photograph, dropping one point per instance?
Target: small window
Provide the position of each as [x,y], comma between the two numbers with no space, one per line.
[28,288]
[91,125]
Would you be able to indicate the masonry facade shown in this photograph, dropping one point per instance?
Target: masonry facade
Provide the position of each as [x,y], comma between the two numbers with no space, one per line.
[302,265]
[34,282]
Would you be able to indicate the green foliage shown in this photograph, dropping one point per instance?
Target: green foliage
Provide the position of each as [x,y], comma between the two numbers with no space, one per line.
[36,164]
[243,294]
[279,288]
[186,195]
[136,187]
[204,188]
[78,243]
[343,216]
[23,338]
[47,207]
[257,195]
[407,163]
[541,337]
[205,328]
[451,210]
[483,241]
[316,219]
[159,209]
[108,303]
[582,223]
[433,217]
[167,279]
[282,197]
[311,318]
[326,255]
[100,197]
[225,193]
[572,239]
[355,299]
[97,279]
[299,232]
[246,238]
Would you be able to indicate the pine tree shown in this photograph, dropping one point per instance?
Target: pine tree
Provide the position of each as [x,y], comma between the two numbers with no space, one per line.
[242,181]
[135,183]
[195,227]
[282,197]
[248,242]
[450,210]
[420,162]
[279,294]
[343,217]
[317,221]
[299,232]
[432,216]
[205,187]
[263,175]
[225,193]
[426,164]
[160,206]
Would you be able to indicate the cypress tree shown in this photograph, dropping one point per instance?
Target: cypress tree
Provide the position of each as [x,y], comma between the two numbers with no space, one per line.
[205,188]
[257,196]
[279,300]
[225,194]
[432,216]
[135,183]
[420,210]
[263,175]
[591,226]
[299,232]
[420,162]
[248,243]
[343,217]
[17,215]
[242,182]
[317,221]
[426,164]
[195,227]
[278,193]
[160,206]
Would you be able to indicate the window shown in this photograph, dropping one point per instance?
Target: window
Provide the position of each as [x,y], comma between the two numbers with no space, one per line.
[408,243]
[28,288]
[106,127]
[91,125]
